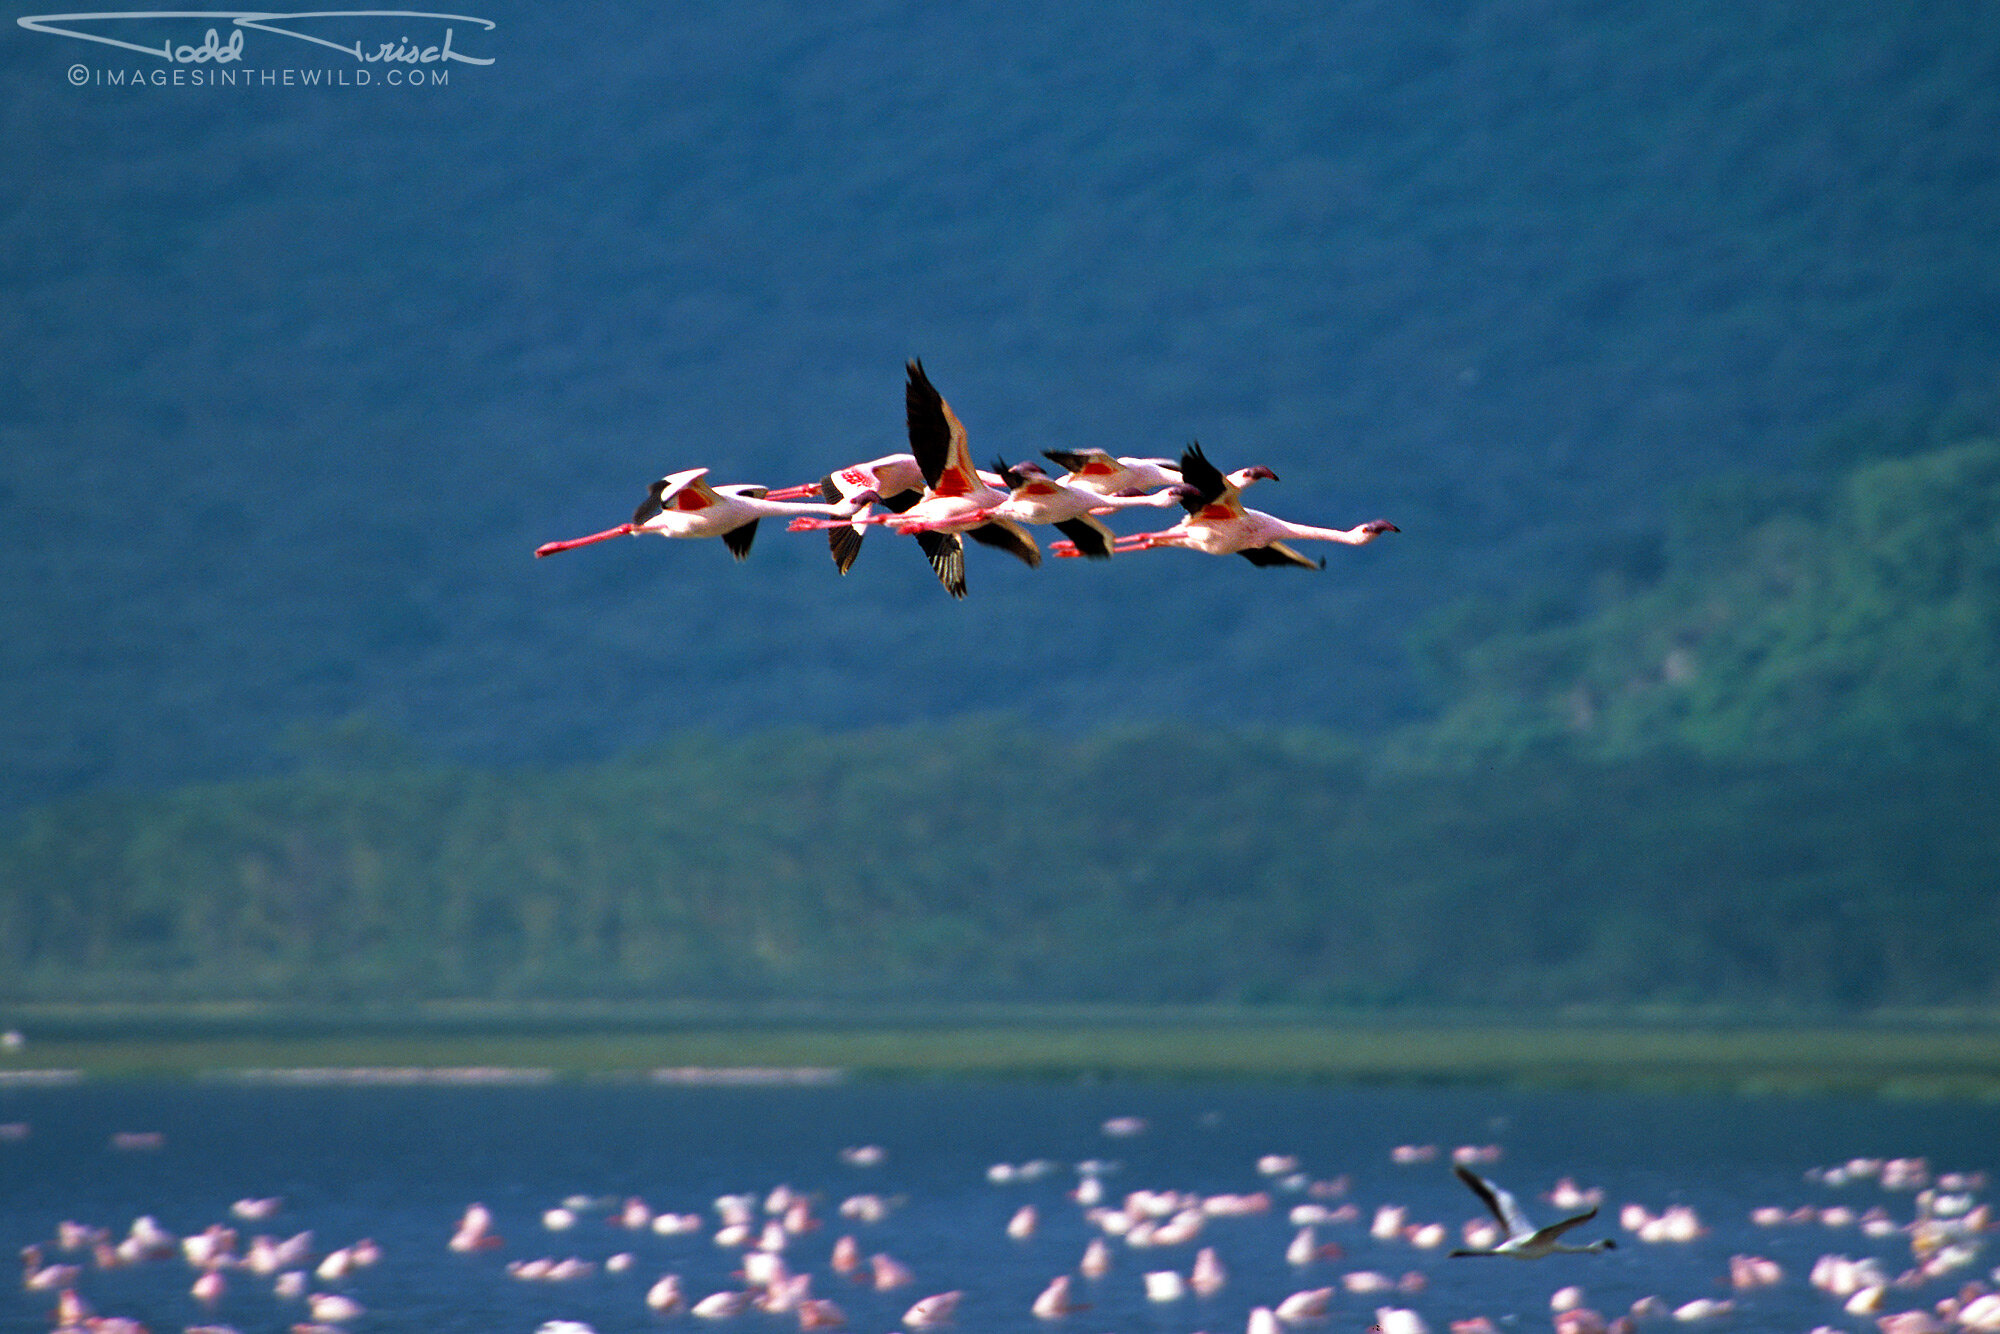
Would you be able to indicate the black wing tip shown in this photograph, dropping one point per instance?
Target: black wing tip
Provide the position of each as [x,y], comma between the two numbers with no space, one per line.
[738,540]
[1203,476]
[1068,458]
[845,544]
[651,504]
[946,553]
[1004,538]
[1089,538]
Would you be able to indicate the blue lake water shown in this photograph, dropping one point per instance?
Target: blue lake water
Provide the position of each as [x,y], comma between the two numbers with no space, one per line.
[400,1165]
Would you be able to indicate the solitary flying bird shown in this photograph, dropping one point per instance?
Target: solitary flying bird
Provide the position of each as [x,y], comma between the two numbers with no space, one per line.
[1524,1240]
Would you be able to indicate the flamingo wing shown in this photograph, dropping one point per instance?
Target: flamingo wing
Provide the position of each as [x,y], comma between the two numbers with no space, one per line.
[1214,499]
[739,538]
[1010,537]
[937,438]
[1092,538]
[1498,1202]
[947,557]
[845,544]
[1554,1230]
[679,491]
[1277,553]
[1085,462]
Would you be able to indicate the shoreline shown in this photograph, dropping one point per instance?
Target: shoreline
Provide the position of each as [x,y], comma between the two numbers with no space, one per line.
[1911,1056]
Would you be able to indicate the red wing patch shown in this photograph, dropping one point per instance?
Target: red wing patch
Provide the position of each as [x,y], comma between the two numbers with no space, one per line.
[1097,467]
[856,477]
[952,482]
[1216,513]
[1041,489]
[690,499]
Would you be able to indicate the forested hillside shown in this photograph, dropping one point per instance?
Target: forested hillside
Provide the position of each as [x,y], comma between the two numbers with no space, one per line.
[1799,816]
[291,385]
[1859,626]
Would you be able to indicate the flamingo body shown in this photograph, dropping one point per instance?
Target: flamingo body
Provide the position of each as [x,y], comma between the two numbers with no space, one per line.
[1524,1241]
[1218,524]
[684,504]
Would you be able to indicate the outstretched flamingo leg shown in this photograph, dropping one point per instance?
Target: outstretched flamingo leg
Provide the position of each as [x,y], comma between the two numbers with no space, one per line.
[956,523]
[1128,543]
[811,525]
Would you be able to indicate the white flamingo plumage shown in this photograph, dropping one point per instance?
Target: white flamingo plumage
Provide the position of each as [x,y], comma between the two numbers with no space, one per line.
[1524,1241]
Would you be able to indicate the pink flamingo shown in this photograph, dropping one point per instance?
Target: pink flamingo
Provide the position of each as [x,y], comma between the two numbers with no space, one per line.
[682,504]
[475,1231]
[1218,524]
[889,476]
[957,499]
[936,1309]
[894,478]
[1055,1300]
[1096,470]
[1035,497]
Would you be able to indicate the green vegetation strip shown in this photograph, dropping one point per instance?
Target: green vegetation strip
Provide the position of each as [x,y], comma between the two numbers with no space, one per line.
[1907,1062]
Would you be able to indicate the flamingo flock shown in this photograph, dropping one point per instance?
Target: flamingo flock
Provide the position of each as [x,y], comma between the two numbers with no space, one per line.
[937,495]
[1139,1241]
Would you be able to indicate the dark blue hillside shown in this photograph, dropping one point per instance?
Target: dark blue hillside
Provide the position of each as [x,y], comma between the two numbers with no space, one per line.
[293,381]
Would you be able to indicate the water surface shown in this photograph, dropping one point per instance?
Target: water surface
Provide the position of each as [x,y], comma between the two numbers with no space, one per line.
[400,1165]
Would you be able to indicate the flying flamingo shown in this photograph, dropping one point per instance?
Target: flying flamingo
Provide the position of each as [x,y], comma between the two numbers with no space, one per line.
[1524,1240]
[957,499]
[894,478]
[888,477]
[1218,524]
[1096,470]
[1035,497]
[683,504]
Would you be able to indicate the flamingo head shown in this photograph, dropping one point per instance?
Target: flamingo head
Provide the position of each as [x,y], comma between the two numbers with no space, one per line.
[1377,527]
[1259,473]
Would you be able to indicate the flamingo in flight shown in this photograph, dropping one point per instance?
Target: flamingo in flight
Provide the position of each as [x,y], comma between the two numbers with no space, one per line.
[1096,470]
[1035,497]
[1525,1241]
[683,504]
[1218,524]
[895,479]
[957,499]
